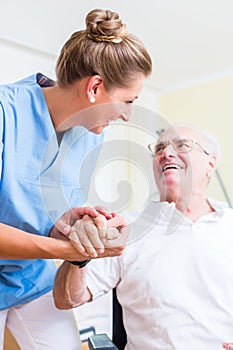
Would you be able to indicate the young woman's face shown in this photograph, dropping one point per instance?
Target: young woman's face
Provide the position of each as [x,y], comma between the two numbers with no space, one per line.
[108,105]
[114,104]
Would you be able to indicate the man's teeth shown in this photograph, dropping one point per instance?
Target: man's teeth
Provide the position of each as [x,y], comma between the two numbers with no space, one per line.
[171,166]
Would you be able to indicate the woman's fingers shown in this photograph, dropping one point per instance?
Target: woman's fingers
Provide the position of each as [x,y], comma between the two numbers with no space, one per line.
[64,224]
[104,211]
[227,346]
[117,221]
[80,212]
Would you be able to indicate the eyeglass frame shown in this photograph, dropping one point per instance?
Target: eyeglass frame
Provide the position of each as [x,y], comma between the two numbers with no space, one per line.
[174,147]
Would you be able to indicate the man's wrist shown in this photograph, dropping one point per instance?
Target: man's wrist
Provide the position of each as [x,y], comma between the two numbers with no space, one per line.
[80,264]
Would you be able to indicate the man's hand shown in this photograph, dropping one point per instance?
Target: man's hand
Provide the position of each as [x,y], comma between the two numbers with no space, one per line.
[63,226]
[90,231]
[94,234]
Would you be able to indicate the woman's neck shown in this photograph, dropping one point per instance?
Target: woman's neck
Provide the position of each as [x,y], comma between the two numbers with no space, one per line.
[62,104]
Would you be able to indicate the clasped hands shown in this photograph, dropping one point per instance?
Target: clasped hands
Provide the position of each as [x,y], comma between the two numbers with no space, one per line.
[93,232]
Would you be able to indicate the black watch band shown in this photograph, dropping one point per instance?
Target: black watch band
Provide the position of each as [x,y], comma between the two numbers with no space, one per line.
[80,264]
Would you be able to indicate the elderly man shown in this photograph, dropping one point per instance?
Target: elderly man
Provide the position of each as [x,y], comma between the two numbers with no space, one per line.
[175,279]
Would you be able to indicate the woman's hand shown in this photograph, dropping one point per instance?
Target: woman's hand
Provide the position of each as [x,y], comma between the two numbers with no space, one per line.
[63,226]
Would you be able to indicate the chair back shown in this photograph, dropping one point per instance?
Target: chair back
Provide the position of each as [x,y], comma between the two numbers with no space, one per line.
[119,334]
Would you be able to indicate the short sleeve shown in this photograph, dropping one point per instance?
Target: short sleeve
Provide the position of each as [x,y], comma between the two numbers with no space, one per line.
[102,275]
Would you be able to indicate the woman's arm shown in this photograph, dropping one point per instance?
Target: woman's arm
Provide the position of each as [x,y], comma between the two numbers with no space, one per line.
[17,244]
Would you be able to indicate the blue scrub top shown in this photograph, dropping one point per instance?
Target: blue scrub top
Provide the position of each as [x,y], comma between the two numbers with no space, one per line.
[39,180]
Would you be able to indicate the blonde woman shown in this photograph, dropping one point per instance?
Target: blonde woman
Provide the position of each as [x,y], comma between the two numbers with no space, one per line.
[47,128]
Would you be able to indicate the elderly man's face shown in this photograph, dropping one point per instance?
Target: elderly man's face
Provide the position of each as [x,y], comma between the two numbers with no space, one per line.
[184,168]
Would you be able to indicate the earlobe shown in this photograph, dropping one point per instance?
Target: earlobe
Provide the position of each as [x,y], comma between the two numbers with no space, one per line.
[92,99]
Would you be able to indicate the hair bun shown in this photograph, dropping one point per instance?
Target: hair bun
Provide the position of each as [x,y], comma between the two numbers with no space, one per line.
[104,25]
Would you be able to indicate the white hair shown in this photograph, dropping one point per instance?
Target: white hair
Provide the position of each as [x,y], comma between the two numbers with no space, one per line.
[212,145]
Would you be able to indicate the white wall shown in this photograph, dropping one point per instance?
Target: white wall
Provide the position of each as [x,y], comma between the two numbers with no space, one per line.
[18,61]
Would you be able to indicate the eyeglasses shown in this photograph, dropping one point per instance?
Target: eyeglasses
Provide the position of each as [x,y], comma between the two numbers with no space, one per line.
[179,145]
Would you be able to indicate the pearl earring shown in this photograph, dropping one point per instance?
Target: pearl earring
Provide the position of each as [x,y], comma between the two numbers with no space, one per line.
[92,99]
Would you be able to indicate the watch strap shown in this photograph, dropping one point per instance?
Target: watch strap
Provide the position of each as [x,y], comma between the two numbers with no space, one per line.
[80,264]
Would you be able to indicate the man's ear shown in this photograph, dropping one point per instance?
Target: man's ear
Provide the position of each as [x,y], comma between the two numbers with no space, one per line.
[92,86]
[212,164]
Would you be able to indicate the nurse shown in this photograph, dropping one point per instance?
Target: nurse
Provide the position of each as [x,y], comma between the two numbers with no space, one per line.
[47,129]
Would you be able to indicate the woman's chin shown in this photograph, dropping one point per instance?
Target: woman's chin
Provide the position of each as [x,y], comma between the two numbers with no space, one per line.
[98,129]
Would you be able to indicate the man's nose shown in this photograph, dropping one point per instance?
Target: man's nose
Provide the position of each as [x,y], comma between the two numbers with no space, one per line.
[168,151]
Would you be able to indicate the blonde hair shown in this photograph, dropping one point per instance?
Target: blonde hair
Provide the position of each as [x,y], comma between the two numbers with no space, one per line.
[104,48]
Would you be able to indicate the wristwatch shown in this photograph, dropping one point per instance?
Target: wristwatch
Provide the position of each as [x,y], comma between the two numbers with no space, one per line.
[80,264]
